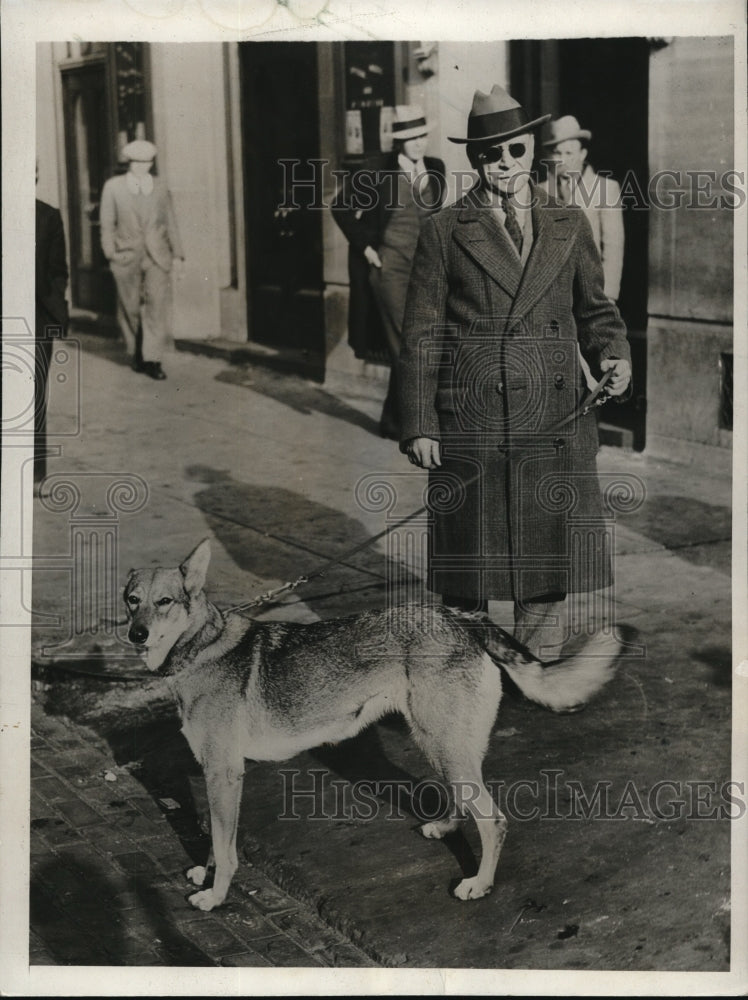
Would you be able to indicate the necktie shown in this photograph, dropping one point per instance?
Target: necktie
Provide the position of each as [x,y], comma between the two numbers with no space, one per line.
[511,224]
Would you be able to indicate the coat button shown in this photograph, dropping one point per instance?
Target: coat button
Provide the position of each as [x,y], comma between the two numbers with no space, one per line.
[559,443]
[558,380]
[554,325]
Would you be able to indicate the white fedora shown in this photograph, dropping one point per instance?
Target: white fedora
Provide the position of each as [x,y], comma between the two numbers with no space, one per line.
[566,127]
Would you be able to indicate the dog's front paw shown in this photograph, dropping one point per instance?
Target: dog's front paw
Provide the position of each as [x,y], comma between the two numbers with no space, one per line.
[197,874]
[472,888]
[204,900]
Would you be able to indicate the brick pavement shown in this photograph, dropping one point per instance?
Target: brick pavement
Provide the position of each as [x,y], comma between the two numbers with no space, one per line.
[107,883]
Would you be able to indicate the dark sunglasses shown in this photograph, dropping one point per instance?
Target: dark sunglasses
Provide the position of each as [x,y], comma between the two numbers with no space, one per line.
[513,150]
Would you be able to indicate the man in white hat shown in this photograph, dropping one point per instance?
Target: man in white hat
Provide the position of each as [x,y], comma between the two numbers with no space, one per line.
[140,239]
[573,181]
[506,289]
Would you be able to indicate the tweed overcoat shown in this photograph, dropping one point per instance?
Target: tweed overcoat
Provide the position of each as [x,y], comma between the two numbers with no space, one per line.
[490,367]
[362,208]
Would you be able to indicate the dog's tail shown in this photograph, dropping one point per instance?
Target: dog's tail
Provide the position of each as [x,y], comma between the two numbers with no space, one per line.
[563,686]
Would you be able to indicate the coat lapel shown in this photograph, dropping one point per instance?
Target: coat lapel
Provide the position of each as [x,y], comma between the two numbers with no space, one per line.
[553,240]
[478,232]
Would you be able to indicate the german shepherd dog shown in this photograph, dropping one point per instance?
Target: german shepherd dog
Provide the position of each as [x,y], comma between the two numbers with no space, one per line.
[269,691]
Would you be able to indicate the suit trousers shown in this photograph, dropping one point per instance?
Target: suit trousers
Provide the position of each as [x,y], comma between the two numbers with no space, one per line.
[42,360]
[540,625]
[142,305]
[390,286]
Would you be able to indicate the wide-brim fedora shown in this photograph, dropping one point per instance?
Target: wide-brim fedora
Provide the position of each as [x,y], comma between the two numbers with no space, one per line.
[409,121]
[497,116]
[566,127]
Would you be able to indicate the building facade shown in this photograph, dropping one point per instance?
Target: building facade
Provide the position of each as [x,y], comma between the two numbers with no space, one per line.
[249,136]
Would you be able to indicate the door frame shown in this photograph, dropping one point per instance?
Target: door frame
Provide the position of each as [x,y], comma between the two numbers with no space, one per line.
[308,359]
[71,72]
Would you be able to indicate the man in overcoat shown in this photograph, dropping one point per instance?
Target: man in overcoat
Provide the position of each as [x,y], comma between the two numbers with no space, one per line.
[506,292]
[573,182]
[51,317]
[380,209]
[140,239]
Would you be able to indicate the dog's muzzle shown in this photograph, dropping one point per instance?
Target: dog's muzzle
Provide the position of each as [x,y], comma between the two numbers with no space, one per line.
[138,634]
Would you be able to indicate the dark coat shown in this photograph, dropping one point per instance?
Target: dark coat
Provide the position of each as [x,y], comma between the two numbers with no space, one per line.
[489,366]
[51,319]
[51,269]
[362,209]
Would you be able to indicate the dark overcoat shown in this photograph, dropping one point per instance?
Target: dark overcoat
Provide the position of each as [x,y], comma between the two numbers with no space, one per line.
[51,319]
[362,208]
[490,367]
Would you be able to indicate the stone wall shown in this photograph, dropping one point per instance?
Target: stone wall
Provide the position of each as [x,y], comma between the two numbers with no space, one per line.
[690,247]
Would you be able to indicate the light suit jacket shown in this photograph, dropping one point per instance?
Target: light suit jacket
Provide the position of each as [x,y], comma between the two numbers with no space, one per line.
[127,234]
[599,198]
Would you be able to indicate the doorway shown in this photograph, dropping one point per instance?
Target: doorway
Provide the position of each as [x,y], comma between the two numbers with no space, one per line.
[280,112]
[604,83]
[88,156]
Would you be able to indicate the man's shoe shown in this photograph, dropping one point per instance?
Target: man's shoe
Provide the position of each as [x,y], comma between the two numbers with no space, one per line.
[137,365]
[154,370]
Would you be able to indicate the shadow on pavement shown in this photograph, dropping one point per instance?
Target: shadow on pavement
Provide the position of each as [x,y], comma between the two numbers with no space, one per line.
[719,661]
[140,724]
[363,761]
[274,533]
[299,395]
[117,920]
[699,532]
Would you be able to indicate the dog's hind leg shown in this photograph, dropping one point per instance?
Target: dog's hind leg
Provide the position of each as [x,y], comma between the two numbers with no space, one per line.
[452,724]
[438,828]
[224,796]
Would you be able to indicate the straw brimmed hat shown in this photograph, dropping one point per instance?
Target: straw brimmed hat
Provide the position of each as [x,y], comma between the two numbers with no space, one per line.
[409,121]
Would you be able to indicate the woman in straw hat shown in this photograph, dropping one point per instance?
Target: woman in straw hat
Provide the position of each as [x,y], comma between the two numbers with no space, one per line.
[381,216]
[506,286]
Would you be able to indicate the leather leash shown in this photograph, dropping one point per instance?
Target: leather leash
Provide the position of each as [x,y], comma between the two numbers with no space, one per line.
[595,397]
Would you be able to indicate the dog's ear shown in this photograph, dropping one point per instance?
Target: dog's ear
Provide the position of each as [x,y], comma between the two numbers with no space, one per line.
[195,568]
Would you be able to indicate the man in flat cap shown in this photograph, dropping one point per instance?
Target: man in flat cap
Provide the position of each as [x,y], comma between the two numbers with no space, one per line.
[141,241]
[573,181]
[506,292]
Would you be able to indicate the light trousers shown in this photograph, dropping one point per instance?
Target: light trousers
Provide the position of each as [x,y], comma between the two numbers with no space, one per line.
[142,306]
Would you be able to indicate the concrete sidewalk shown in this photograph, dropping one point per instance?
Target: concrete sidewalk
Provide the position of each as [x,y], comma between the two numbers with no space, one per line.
[282,474]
